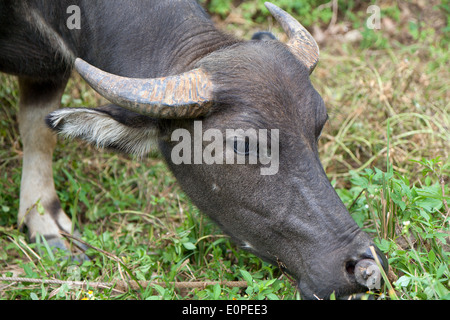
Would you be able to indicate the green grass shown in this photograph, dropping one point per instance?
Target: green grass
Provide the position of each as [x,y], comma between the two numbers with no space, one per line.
[410,222]
[385,150]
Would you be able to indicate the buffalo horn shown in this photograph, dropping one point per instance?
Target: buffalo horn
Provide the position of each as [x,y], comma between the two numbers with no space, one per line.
[187,95]
[301,42]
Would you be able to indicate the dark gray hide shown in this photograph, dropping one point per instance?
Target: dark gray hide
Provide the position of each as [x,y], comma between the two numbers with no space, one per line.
[294,216]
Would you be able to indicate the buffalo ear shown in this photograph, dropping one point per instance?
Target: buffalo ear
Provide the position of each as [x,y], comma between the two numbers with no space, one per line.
[110,127]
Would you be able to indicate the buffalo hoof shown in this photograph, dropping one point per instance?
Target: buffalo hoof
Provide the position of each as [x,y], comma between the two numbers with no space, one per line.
[74,252]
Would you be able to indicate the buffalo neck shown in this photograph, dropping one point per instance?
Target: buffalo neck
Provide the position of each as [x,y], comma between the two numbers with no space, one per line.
[163,38]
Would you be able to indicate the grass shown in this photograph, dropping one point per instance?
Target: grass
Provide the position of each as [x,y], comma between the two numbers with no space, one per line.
[385,150]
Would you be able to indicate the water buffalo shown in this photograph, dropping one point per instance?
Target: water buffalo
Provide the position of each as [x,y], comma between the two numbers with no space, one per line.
[205,99]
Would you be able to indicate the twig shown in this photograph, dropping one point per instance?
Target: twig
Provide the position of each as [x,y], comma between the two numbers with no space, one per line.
[137,285]
[356,199]
[68,235]
[391,290]
[120,285]
[283,269]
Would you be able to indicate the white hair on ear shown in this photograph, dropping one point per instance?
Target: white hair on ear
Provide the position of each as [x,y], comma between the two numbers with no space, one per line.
[101,130]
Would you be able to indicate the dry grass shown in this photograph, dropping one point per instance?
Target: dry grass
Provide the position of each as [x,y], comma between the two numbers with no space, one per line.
[365,89]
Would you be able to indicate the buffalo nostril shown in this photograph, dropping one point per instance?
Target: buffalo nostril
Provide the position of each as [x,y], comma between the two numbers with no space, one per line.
[350,267]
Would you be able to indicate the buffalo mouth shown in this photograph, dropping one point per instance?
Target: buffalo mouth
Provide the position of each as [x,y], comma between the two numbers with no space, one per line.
[362,279]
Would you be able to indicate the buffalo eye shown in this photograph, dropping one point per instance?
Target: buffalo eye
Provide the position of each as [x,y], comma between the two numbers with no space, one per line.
[243,147]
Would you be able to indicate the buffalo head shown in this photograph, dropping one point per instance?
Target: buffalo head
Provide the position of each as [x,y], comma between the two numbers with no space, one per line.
[255,100]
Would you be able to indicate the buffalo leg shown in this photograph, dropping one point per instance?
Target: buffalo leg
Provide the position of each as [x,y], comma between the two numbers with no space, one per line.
[40,209]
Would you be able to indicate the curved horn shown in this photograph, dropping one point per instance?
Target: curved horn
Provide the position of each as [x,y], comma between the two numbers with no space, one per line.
[187,95]
[301,42]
